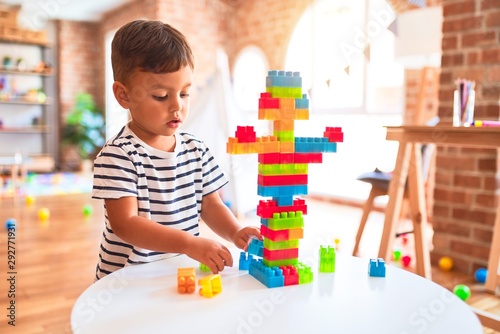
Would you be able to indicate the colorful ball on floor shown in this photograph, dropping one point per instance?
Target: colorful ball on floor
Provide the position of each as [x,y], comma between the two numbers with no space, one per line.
[87,210]
[462,291]
[481,274]
[30,200]
[10,223]
[44,214]
[445,263]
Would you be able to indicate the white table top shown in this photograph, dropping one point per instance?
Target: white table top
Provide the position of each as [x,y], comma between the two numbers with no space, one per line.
[144,299]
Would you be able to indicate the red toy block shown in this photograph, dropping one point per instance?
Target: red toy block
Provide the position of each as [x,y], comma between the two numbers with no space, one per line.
[281,180]
[290,274]
[281,254]
[290,158]
[282,235]
[267,208]
[245,134]
[307,158]
[267,102]
[334,134]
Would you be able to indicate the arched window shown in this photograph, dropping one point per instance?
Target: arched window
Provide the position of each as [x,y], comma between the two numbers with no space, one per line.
[345,53]
[249,73]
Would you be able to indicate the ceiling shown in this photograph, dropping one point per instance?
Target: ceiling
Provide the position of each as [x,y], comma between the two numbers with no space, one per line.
[78,10]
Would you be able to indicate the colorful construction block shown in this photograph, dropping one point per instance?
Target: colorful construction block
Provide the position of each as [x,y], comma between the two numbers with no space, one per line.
[282,175]
[186,280]
[334,134]
[210,285]
[204,268]
[376,267]
[290,275]
[255,247]
[266,209]
[244,261]
[271,277]
[281,235]
[326,259]
[305,273]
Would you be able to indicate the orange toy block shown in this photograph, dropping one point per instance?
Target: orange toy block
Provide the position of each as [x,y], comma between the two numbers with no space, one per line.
[210,286]
[284,125]
[186,280]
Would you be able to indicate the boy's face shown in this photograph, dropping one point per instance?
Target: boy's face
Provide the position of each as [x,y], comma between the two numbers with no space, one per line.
[158,103]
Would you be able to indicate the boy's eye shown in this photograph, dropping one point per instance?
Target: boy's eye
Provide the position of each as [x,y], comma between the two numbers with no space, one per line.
[160,98]
[184,95]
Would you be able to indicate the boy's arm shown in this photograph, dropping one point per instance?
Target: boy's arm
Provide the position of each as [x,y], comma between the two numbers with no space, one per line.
[222,221]
[144,233]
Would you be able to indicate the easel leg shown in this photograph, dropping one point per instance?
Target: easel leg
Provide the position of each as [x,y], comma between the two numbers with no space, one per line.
[396,190]
[419,212]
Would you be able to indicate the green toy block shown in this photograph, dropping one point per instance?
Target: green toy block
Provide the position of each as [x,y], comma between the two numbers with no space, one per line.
[274,245]
[286,221]
[278,92]
[204,268]
[326,259]
[282,169]
[280,263]
[305,273]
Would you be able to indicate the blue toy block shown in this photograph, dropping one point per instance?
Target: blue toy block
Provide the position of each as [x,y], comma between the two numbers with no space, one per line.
[302,103]
[376,268]
[283,79]
[281,191]
[284,200]
[314,145]
[270,277]
[256,247]
[244,262]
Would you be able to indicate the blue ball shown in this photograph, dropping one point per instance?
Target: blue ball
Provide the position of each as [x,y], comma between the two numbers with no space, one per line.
[10,223]
[481,274]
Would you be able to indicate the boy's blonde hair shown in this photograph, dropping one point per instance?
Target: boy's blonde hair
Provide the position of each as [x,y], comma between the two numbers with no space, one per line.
[151,46]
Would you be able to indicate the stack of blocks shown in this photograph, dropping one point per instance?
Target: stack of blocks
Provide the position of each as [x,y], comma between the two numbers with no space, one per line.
[282,175]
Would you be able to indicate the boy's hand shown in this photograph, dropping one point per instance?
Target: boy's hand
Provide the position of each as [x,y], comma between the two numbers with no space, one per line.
[211,253]
[242,237]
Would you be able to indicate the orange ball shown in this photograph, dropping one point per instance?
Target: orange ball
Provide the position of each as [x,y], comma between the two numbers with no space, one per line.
[445,263]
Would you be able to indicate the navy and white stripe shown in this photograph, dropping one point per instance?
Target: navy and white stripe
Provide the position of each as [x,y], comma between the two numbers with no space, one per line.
[169,187]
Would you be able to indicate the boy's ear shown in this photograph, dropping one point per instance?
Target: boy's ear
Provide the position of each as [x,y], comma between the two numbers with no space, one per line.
[121,94]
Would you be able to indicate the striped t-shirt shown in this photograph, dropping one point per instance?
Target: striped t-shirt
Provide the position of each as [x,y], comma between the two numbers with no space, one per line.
[169,187]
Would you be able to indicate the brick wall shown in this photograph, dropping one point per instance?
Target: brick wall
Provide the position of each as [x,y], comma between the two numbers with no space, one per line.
[78,60]
[464,197]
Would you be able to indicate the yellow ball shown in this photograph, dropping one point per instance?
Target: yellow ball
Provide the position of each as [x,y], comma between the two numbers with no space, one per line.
[30,200]
[445,263]
[43,214]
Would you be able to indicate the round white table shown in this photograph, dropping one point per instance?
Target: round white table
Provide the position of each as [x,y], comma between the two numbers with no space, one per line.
[144,299]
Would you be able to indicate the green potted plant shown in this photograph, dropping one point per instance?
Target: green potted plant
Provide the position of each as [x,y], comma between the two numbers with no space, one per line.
[84,131]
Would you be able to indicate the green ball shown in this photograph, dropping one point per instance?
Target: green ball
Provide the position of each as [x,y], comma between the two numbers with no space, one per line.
[87,210]
[397,255]
[462,291]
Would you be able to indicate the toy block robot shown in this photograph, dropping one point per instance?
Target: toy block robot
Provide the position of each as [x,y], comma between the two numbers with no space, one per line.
[282,175]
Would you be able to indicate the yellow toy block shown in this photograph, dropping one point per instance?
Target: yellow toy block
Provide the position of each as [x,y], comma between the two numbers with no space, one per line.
[269,114]
[302,114]
[186,280]
[210,286]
